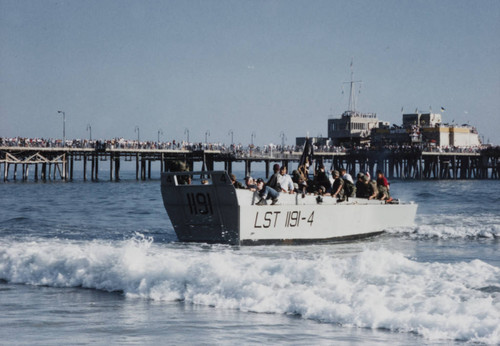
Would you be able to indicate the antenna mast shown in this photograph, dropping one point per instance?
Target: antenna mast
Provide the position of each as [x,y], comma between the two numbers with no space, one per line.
[352,97]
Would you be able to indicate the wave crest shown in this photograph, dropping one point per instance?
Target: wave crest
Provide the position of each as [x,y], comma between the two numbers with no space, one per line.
[373,289]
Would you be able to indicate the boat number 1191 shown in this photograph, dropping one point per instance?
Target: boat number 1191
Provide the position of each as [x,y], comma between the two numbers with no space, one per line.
[200,203]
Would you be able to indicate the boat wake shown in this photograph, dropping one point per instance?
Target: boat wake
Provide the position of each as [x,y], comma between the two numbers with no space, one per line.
[371,289]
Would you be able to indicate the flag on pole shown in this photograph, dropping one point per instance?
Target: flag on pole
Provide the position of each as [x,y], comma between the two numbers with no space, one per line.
[308,153]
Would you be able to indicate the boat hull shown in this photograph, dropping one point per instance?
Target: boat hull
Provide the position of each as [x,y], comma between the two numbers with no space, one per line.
[312,223]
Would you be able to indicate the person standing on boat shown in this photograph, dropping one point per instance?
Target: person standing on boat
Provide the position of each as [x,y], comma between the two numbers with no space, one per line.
[303,173]
[338,187]
[266,192]
[346,176]
[361,187]
[181,166]
[371,187]
[349,187]
[322,181]
[299,184]
[273,182]
[304,170]
[383,187]
[286,181]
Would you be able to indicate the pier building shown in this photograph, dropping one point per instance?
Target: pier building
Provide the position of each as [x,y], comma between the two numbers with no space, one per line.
[353,127]
[426,129]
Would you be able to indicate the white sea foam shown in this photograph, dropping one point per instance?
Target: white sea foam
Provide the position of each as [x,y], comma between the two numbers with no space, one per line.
[454,226]
[373,289]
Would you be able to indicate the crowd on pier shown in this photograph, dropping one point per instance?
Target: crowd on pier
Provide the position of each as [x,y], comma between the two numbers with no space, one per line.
[239,149]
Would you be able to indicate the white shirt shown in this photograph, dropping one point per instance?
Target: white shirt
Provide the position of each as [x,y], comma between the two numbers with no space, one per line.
[286,183]
[347,176]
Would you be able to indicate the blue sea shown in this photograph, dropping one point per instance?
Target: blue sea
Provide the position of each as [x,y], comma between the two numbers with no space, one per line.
[99,263]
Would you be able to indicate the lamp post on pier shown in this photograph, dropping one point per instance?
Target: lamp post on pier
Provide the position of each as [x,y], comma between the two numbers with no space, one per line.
[231,133]
[160,132]
[283,139]
[207,134]
[89,128]
[64,126]
[186,132]
[252,137]
[136,129]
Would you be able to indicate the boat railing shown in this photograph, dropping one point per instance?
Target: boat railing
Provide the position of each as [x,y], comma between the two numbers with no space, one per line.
[196,178]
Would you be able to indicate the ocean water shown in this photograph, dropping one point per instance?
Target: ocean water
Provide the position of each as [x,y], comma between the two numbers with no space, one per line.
[99,262]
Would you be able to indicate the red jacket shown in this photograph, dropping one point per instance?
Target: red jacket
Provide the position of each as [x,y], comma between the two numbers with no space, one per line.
[383,181]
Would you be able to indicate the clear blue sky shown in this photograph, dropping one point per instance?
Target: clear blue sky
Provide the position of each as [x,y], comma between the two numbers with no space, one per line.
[250,66]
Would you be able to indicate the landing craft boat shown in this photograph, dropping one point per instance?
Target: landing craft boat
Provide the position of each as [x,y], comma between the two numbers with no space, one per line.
[216,212]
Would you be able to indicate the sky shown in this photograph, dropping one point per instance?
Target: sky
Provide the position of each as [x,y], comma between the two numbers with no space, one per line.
[274,69]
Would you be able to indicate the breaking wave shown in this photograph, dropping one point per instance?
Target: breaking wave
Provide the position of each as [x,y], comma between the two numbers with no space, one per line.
[372,289]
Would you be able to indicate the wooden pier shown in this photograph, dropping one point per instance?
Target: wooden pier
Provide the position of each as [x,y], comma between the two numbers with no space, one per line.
[59,163]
